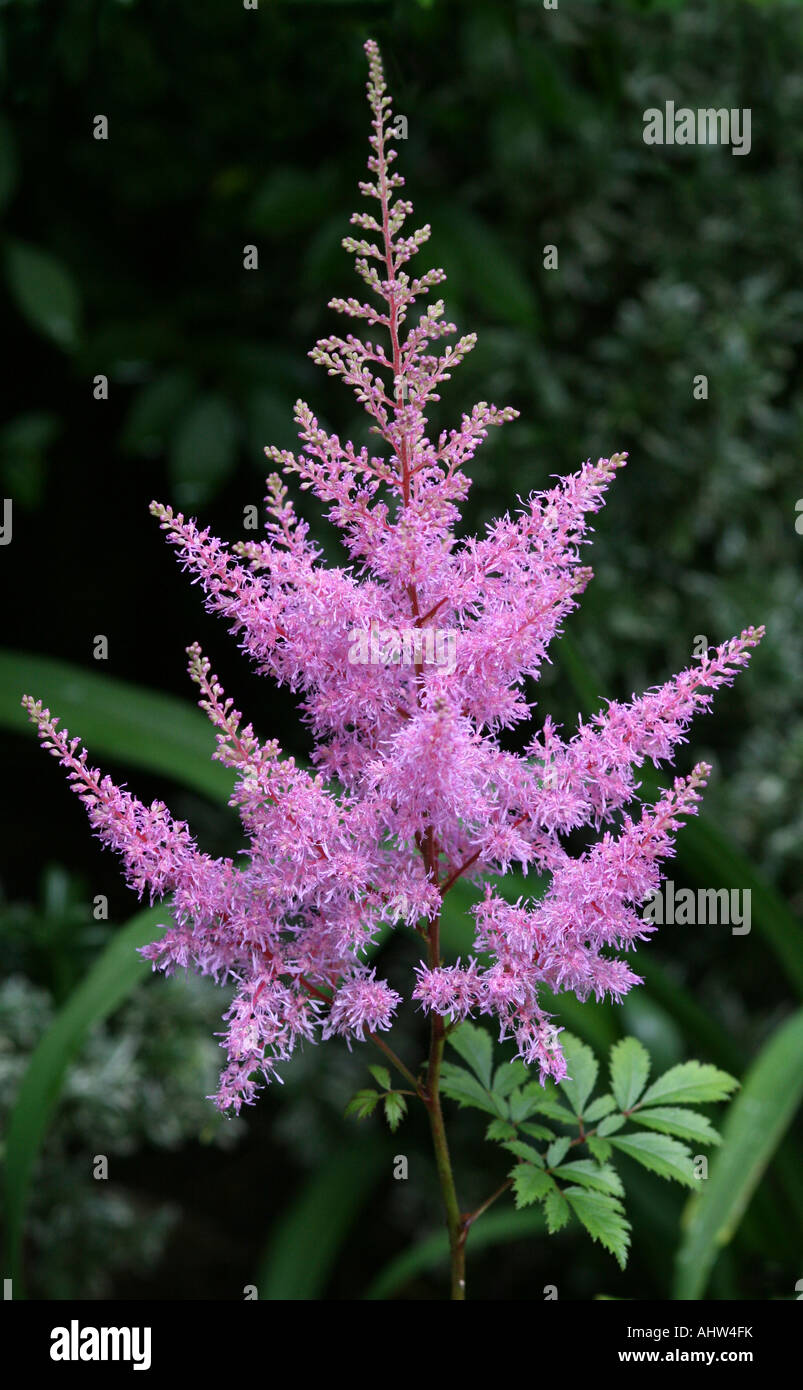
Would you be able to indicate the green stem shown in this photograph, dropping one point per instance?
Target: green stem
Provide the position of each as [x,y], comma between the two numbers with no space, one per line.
[455,1225]
[500,1191]
[394,1060]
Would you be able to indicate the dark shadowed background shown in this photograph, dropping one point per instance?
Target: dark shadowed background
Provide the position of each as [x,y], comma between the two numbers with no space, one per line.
[123,258]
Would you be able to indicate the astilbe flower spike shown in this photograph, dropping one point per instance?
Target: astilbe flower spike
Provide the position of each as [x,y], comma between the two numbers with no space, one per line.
[410,787]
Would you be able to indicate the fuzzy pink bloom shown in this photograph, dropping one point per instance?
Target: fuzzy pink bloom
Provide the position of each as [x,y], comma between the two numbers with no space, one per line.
[410,787]
[449,989]
[361,1003]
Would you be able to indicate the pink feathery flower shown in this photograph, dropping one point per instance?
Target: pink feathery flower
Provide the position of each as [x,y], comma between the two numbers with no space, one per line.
[361,1003]
[409,788]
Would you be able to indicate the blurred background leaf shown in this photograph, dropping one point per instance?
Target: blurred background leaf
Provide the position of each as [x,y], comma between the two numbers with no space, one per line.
[203,451]
[116,719]
[304,1245]
[45,293]
[756,1123]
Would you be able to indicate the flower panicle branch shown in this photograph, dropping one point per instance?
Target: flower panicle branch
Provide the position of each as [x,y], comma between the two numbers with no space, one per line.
[410,786]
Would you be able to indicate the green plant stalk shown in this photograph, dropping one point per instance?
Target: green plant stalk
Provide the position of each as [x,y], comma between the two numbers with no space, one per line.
[429,1092]
[454,1221]
[455,1225]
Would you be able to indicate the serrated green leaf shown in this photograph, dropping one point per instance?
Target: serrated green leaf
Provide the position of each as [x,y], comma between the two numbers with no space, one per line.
[536,1131]
[475,1047]
[686,1124]
[395,1110]
[362,1104]
[588,1174]
[582,1068]
[382,1076]
[500,1129]
[603,1218]
[660,1154]
[600,1148]
[459,1084]
[508,1076]
[690,1083]
[610,1125]
[599,1108]
[539,1100]
[519,1105]
[525,1151]
[630,1067]
[556,1211]
[557,1150]
[530,1184]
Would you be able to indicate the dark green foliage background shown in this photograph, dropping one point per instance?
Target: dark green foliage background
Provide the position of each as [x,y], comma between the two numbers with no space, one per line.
[124,257]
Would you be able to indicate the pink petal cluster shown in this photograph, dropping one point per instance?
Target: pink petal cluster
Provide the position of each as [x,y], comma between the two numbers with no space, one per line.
[410,787]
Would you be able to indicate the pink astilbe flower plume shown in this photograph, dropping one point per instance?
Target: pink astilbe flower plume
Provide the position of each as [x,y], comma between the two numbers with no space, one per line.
[410,787]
